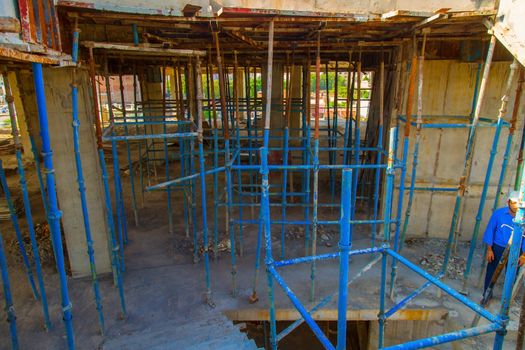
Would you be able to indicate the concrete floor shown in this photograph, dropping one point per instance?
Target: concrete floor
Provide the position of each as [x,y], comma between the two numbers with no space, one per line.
[163,284]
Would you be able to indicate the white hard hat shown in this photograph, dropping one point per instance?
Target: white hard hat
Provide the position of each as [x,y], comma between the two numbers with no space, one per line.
[514,196]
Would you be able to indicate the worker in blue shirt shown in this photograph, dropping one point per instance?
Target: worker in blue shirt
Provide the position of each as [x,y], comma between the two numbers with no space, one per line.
[498,233]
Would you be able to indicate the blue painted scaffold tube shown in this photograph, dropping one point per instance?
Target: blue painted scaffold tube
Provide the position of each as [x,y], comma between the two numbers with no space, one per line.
[315,165]
[202,170]
[512,265]
[115,259]
[82,191]
[467,166]
[387,209]
[9,308]
[406,140]
[18,232]
[265,199]
[54,213]
[25,197]
[345,243]
[446,338]
[416,145]
[379,146]
[486,183]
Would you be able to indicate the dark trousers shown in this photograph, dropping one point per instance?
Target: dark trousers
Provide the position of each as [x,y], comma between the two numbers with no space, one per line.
[491,267]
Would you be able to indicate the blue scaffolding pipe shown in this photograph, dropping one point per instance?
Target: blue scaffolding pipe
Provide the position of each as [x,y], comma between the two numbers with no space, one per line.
[335,255]
[463,182]
[284,188]
[203,185]
[150,136]
[25,197]
[401,191]
[9,308]
[115,258]
[54,213]
[481,207]
[446,338]
[302,311]
[82,189]
[18,232]
[325,300]
[512,265]
[444,287]
[128,152]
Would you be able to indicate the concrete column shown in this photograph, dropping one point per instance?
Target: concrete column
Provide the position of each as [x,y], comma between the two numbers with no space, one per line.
[297,88]
[58,96]
[152,89]
[20,116]
[276,117]
[241,91]
[27,113]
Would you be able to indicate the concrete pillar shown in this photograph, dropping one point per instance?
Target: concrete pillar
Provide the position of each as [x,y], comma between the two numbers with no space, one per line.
[27,113]
[276,117]
[58,96]
[241,91]
[152,89]
[296,80]
[20,116]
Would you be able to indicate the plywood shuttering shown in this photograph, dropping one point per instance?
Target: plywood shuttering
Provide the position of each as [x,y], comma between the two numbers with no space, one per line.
[448,91]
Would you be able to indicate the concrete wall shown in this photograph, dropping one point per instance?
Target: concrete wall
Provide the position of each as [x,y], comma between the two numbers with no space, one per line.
[58,95]
[448,90]
[509,28]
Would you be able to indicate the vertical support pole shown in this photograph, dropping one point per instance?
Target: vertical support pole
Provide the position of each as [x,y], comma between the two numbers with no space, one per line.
[25,197]
[54,213]
[307,150]
[265,200]
[512,265]
[224,119]
[128,149]
[9,308]
[238,148]
[379,146]
[387,210]
[463,182]
[215,164]
[493,151]
[357,139]
[18,233]
[202,171]
[81,187]
[116,173]
[350,75]
[406,139]
[419,124]
[316,165]
[166,153]
[345,243]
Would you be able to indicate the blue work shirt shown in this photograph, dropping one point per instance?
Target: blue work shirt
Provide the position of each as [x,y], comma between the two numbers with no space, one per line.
[499,228]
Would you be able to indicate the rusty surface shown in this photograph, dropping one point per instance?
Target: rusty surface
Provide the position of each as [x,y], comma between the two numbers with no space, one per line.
[517,101]
[12,54]
[256,314]
[411,90]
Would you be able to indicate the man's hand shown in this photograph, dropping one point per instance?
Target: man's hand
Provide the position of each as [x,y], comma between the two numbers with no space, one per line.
[521,261]
[490,255]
